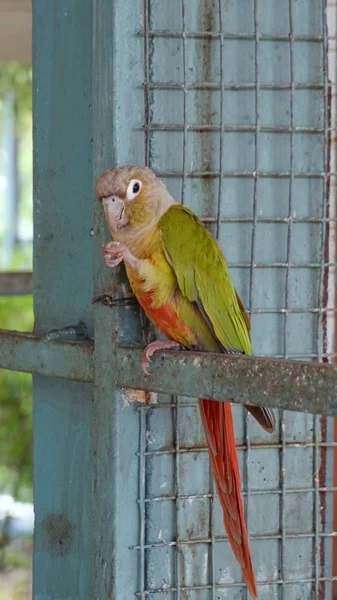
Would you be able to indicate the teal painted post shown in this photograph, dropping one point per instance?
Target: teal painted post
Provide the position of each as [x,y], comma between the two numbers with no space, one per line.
[63,273]
[86,438]
[116,431]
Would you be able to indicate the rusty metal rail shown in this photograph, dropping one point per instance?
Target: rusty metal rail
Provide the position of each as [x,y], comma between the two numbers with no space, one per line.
[16,284]
[46,356]
[245,379]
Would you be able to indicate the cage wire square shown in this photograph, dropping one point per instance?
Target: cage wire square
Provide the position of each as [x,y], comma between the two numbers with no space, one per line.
[239,120]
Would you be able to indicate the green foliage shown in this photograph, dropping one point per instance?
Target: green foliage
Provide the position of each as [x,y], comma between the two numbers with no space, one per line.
[16,578]
[16,428]
[17,78]
[16,408]
[17,312]
[16,558]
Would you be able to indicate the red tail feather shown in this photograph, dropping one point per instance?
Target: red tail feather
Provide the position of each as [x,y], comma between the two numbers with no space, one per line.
[218,423]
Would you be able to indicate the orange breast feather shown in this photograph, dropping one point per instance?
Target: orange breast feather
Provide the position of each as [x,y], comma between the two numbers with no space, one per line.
[167,319]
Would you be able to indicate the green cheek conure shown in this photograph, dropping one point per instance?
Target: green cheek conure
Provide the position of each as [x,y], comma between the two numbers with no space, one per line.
[181,279]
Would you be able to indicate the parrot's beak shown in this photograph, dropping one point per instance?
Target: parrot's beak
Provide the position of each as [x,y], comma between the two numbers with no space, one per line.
[114,211]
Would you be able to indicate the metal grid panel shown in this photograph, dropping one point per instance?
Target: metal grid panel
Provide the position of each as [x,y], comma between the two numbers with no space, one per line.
[236,121]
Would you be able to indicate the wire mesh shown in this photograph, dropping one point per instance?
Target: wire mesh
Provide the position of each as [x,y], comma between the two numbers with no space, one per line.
[239,118]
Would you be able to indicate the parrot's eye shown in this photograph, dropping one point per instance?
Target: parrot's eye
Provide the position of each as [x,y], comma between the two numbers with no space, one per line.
[134,188]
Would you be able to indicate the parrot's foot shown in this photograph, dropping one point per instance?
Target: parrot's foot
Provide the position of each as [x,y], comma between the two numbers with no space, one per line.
[115,252]
[152,348]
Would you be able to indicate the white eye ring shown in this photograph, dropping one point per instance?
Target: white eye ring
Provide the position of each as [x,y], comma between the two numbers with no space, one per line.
[133,189]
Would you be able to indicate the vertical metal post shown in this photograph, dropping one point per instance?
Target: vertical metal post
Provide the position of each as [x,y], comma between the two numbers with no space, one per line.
[63,269]
[253,242]
[320,423]
[282,545]
[147,92]
[115,420]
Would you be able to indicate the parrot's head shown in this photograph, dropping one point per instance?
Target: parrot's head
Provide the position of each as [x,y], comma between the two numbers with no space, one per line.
[133,200]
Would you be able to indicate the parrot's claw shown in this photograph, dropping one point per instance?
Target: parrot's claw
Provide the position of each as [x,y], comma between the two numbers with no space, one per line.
[154,347]
[115,252]
[110,262]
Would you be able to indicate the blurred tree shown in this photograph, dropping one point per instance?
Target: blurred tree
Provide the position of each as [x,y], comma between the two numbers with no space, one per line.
[17,78]
[16,163]
[17,312]
[16,409]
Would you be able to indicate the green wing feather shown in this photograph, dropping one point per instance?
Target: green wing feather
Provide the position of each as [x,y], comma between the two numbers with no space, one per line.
[203,277]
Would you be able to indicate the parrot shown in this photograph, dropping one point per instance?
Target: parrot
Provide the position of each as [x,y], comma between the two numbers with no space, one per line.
[181,279]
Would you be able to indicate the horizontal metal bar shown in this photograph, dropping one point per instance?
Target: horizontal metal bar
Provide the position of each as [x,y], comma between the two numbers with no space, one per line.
[312,357]
[201,128]
[211,85]
[16,284]
[10,339]
[227,586]
[227,35]
[292,311]
[271,220]
[239,447]
[248,174]
[281,265]
[257,492]
[305,387]
[220,539]
[46,356]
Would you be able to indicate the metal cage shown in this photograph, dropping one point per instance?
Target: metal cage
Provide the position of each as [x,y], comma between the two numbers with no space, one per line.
[238,122]
[232,103]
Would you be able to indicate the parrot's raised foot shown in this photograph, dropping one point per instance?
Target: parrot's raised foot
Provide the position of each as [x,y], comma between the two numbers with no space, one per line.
[115,252]
[154,347]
